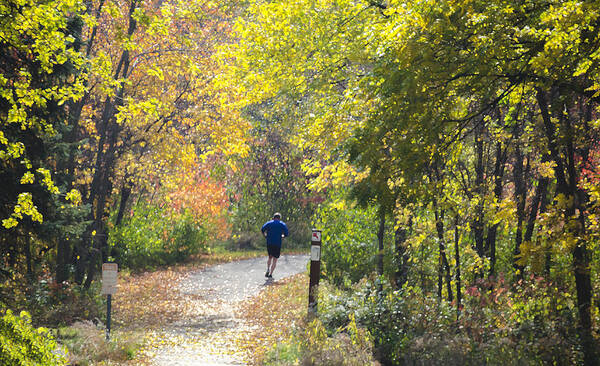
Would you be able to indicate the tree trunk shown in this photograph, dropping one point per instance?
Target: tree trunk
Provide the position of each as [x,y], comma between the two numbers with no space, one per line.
[102,184]
[400,236]
[574,212]
[125,193]
[28,259]
[63,256]
[477,225]
[520,193]
[538,206]
[380,234]
[443,264]
[493,229]
[457,258]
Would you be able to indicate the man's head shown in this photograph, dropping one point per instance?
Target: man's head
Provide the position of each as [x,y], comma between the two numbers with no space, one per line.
[277,216]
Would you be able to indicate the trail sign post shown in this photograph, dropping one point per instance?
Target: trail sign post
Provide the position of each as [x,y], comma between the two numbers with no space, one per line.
[109,288]
[315,269]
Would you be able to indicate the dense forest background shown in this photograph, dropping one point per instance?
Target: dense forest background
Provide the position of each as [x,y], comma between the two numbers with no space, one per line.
[449,151]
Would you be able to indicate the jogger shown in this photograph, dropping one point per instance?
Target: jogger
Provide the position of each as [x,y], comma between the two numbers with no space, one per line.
[274,230]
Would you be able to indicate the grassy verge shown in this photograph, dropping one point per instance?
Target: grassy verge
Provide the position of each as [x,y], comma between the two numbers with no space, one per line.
[87,344]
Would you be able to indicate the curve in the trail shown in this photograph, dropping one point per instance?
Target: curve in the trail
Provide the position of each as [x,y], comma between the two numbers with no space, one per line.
[209,337]
[235,281]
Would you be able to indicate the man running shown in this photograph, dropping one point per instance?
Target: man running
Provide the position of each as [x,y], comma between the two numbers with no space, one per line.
[274,230]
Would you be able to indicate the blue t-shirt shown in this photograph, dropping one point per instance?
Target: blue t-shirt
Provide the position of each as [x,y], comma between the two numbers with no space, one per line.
[275,230]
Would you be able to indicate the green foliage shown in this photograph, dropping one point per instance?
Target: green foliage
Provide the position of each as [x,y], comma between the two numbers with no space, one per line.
[153,236]
[41,71]
[283,354]
[500,327]
[55,304]
[23,345]
[50,303]
[349,241]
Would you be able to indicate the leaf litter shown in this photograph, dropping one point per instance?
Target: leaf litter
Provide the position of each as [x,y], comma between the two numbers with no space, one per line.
[196,328]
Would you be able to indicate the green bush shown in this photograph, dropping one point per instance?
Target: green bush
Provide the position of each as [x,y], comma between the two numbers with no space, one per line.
[500,327]
[349,242]
[22,344]
[152,236]
[54,304]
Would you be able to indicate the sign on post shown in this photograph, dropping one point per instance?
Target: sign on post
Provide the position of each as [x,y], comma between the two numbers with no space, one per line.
[315,269]
[109,288]
[109,278]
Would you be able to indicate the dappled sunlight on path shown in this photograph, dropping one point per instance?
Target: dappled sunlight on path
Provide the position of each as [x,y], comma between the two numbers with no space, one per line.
[210,331]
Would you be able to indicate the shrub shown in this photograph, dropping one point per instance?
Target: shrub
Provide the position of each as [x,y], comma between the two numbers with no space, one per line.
[54,304]
[497,327]
[347,346]
[22,344]
[49,303]
[312,345]
[349,242]
[153,236]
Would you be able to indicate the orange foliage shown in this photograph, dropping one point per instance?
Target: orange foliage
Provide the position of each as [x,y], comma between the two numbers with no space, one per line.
[205,198]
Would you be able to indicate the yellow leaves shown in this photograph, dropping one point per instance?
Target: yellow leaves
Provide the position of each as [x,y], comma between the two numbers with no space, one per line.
[546,169]
[27,178]
[112,9]
[156,72]
[24,207]
[583,67]
[47,180]
[74,196]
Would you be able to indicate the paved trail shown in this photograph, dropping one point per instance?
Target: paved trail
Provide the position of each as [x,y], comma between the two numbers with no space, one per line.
[210,333]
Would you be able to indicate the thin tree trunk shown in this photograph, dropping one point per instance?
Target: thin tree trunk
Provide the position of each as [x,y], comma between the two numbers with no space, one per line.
[457,258]
[28,259]
[63,256]
[493,229]
[380,234]
[443,263]
[538,206]
[125,193]
[400,235]
[520,193]
[477,224]
[536,203]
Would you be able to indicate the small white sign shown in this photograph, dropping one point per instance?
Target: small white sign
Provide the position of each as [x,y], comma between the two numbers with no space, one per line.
[109,278]
[316,236]
[315,252]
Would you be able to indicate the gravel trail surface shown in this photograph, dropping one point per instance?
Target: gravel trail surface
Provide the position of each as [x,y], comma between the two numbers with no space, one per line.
[211,331]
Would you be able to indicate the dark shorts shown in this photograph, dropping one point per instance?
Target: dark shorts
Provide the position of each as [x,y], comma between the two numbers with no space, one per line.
[273,250]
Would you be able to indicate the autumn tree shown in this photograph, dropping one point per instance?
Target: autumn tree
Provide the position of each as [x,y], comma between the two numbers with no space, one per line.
[493,102]
[41,72]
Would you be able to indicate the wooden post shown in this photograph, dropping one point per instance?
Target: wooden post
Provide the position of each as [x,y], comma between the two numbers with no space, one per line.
[315,269]
[108,310]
